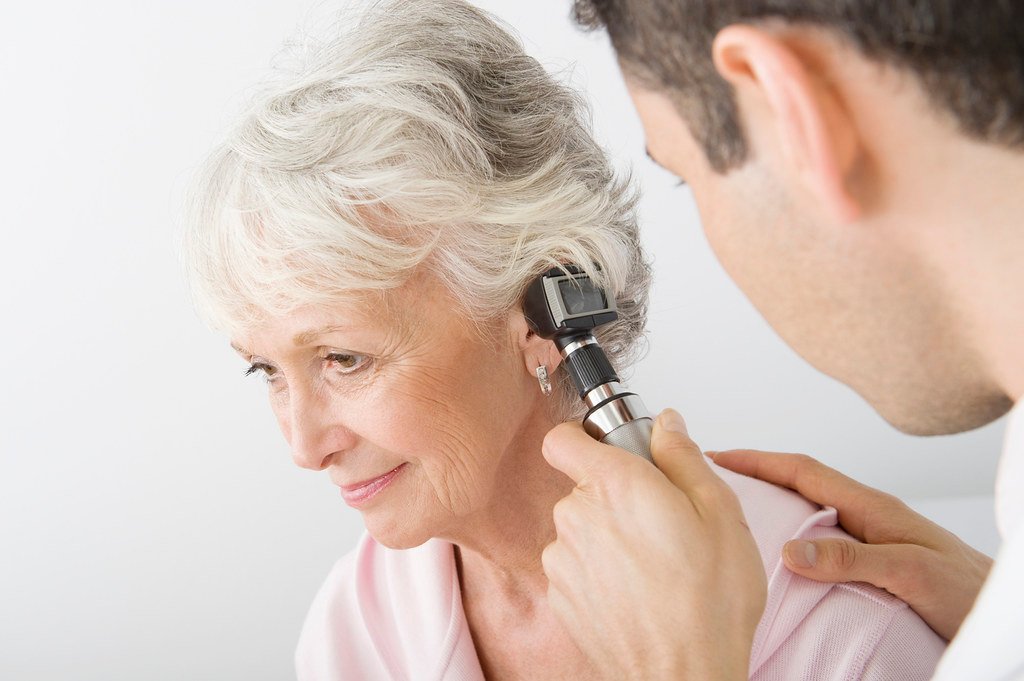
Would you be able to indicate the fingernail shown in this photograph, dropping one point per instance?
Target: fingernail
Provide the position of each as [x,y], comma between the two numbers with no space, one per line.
[671,420]
[801,554]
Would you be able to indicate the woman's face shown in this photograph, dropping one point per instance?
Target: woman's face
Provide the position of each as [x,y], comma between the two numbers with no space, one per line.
[411,413]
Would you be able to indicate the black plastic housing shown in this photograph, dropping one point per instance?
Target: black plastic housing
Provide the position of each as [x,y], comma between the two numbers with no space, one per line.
[538,312]
[589,368]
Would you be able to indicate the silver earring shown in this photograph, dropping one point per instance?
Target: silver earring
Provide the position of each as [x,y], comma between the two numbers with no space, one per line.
[542,378]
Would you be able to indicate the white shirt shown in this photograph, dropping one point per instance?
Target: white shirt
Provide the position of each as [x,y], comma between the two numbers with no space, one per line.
[990,644]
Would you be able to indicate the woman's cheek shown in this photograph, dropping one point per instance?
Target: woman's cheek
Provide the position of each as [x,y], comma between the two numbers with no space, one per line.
[453,482]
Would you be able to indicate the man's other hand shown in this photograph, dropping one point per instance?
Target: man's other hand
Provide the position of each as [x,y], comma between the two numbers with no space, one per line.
[903,552]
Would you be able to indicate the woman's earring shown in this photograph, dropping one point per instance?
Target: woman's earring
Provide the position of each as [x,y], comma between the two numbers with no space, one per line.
[542,378]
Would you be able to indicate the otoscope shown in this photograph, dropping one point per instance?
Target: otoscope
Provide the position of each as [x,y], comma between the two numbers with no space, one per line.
[564,305]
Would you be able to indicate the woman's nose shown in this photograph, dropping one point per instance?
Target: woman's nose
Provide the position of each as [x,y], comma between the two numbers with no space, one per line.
[315,433]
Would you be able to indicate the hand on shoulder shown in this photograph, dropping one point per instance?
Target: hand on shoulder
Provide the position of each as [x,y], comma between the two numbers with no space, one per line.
[903,552]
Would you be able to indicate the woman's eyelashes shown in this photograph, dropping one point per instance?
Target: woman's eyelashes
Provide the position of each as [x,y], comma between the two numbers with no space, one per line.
[257,367]
[346,362]
[339,362]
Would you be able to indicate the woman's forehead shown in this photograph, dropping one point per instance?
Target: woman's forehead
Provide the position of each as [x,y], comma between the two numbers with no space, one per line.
[305,326]
[399,314]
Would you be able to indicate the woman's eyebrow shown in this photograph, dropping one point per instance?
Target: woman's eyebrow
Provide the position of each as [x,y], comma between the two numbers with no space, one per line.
[307,337]
[240,350]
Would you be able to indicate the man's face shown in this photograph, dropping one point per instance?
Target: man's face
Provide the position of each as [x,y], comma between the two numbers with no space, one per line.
[852,299]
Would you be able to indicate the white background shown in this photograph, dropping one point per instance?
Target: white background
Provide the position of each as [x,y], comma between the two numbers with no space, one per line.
[151,523]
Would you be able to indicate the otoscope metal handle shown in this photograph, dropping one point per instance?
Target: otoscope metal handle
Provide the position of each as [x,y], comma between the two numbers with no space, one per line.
[622,421]
[634,436]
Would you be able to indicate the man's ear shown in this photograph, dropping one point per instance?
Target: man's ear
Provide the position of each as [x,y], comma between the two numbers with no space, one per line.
[535,351]
[783,93]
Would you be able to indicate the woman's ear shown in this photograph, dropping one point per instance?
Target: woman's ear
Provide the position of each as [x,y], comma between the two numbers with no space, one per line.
[780,93]
[535,351]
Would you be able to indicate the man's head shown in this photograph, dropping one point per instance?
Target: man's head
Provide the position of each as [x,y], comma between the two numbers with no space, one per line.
[837,150]
[969,57]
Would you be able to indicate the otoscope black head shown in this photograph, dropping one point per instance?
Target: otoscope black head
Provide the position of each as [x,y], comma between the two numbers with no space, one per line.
[563,304]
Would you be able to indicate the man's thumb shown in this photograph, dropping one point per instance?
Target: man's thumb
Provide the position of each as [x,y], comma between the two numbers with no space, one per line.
[835,560]
[676,455]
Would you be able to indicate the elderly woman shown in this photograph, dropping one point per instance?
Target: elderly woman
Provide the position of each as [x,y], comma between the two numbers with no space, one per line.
[365,236]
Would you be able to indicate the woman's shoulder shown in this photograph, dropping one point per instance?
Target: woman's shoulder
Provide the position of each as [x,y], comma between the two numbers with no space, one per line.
[775,515]
[854,631]
[820,630]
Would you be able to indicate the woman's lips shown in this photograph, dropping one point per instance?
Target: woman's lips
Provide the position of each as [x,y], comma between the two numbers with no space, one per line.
[361,492]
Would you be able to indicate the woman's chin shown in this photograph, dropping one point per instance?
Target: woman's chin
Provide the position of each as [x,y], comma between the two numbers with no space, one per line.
[395,535]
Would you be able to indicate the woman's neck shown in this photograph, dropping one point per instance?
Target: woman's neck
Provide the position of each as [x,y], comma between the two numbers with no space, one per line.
[503,585]
[498,548]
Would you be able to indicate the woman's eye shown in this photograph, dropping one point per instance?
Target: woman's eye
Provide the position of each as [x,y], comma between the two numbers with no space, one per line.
[345,362]
[261,368]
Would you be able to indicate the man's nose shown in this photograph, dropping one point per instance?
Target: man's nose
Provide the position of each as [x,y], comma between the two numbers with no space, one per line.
[317,435]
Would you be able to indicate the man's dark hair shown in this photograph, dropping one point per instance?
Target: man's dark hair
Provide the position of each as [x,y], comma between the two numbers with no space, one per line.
[968,55]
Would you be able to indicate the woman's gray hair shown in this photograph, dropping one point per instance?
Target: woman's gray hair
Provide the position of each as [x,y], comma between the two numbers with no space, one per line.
[420,136]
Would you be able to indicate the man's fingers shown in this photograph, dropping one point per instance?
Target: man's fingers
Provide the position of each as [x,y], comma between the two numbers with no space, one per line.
[568,448]
[813,480]
[840,560]
[593,464]
[680,459]
[798,472]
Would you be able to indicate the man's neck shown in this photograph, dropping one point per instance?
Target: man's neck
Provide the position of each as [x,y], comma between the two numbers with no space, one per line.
[975,237]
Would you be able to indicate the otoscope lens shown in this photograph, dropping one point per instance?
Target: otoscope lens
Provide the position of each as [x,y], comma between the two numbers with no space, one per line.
[581,296]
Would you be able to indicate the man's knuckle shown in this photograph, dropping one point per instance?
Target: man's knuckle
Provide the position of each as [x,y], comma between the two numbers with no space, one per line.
[550,440]
[551,559]
[547,556]
[714,494]
[676,444]
[891,503]
[843,555]
[562,514]
[805,462]
[688,447]
[912,571]
[614,480]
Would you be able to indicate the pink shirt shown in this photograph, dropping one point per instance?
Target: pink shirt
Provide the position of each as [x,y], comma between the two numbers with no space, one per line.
[386,614]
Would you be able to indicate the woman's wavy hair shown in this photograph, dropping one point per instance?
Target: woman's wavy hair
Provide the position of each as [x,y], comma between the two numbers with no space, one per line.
[418,137]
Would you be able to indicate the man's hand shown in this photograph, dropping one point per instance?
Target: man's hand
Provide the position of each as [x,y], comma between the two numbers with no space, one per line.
[906,554]
[655,576]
